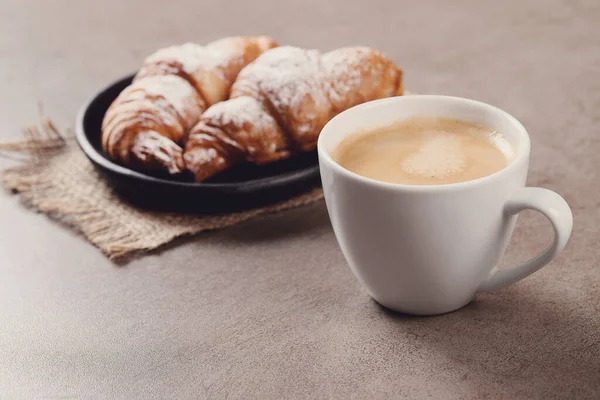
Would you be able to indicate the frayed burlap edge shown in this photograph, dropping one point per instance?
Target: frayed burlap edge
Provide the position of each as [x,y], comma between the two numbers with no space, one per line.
[59,181]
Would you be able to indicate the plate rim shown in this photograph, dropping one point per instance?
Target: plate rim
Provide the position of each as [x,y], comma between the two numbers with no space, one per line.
[99,159]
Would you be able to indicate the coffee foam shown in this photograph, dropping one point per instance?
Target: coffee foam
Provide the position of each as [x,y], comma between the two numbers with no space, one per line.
[439,156]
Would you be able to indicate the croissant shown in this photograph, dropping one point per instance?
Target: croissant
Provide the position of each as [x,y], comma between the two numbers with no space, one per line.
[281,101]
[145,127]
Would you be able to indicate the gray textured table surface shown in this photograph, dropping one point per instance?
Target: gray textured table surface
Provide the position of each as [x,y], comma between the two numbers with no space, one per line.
[268,309]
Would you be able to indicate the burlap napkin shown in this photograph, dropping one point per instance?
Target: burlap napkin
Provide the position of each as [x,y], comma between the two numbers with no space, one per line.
[58,180]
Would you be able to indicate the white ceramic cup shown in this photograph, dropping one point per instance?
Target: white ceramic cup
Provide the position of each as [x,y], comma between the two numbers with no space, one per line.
[430,249]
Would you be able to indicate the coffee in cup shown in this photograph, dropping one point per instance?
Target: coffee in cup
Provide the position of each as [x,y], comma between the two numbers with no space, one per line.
[425,150]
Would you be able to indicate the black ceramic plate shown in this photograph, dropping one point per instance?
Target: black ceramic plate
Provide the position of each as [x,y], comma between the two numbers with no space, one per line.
[239,188]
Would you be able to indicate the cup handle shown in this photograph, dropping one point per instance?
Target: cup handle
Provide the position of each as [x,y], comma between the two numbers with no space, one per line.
[556,209]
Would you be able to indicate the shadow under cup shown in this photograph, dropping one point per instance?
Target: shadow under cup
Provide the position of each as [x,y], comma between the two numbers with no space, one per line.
[422,249]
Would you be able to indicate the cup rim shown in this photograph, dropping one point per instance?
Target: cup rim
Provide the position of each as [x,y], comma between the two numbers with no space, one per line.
[522,156]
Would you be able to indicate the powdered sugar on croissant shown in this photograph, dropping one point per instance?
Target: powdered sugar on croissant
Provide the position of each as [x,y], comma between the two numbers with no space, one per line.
[148,123]
[234,131]
[291,82]
[299,89]
[165,106]
[211,69]
[355,75]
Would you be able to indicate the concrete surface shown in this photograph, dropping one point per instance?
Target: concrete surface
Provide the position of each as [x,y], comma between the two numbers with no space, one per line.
[269,309]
